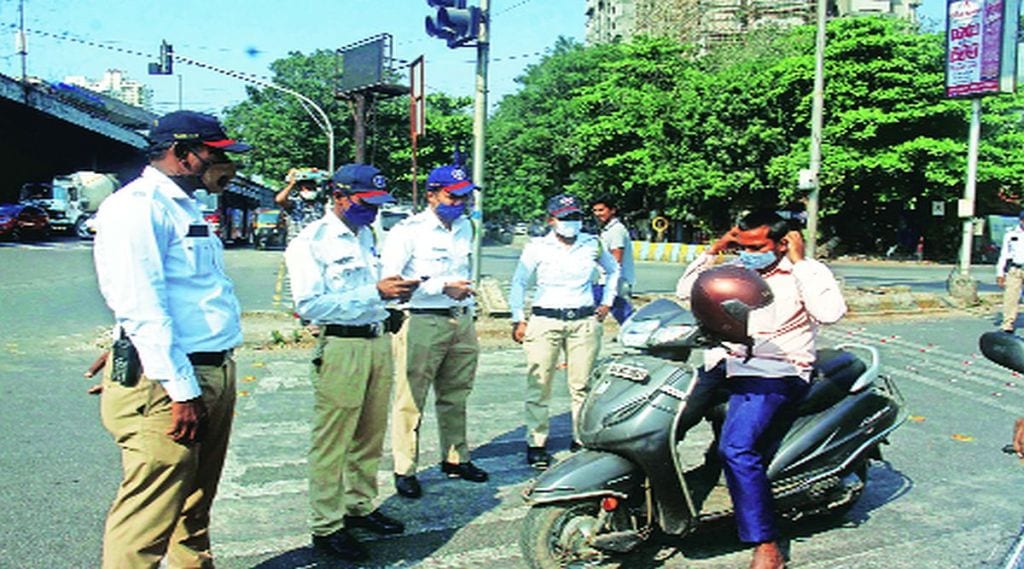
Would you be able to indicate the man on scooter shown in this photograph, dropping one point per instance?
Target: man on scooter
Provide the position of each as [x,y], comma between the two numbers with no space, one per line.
[771,375]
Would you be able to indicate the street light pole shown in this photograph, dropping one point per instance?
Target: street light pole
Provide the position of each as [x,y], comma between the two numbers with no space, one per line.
[817,118]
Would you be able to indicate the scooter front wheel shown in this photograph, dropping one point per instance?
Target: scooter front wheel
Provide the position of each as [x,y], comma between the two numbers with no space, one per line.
[560,535]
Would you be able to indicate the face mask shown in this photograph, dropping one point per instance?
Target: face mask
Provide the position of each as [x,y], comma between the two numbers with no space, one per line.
[360,215]
[308,195]
[449,212]
[757,261]
[568,229]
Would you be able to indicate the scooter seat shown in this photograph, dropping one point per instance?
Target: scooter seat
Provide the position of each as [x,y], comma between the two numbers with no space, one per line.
[835,371]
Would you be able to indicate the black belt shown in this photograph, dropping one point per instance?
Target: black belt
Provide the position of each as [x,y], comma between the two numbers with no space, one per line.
[564,313]
[215,359]
[450,312]
[365,331]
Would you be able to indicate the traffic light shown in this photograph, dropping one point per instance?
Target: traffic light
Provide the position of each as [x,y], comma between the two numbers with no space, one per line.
[166,64]
[455,22]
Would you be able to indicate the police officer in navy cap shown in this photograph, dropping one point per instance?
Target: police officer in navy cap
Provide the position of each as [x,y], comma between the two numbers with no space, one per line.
[337,285]
[437,346]
[161,271]
[1010,273]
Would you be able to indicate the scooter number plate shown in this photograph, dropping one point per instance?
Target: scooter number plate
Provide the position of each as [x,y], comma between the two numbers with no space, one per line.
[632,373]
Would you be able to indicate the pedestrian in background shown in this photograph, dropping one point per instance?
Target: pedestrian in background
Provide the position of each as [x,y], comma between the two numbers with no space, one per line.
[616,240]
[1010,273]
[302,198]
[336,284]
[563,316]
[437,344]
[169,394]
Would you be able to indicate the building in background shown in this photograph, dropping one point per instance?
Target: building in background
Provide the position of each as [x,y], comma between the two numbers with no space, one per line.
[117,85]
[707,22]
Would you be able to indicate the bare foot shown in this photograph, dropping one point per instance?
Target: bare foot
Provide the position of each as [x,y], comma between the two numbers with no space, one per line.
[768,556]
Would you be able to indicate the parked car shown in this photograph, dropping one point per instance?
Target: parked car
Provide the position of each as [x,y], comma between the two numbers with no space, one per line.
[271,229]
[20,221]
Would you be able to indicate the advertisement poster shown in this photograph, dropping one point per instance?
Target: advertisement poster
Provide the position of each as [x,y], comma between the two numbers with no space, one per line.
[977,59]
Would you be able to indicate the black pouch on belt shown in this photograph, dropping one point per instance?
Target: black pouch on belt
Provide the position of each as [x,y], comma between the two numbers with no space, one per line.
[394,321]
[124,358]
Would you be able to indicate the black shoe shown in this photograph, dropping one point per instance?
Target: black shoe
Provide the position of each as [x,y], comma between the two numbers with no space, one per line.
[375,522]
[538,457]
[341,545]
[465,471]
[575,446]
[408,486]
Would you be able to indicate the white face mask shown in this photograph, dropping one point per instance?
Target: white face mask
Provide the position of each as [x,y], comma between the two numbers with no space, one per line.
[568,229]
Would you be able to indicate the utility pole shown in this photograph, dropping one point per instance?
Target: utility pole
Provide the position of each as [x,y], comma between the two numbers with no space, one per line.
[479,127]
[23,46]
[817,118]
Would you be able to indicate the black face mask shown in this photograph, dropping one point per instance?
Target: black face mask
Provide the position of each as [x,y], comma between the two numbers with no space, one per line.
[213,176]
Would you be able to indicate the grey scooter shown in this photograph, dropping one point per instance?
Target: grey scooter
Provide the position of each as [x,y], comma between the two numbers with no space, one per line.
[643,467]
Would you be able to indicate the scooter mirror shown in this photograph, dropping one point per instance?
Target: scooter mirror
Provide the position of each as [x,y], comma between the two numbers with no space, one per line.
[1003,348]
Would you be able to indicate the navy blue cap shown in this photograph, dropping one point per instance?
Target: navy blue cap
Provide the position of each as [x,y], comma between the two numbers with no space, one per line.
[362,180]
[563,205]
[451,179]
[190,126]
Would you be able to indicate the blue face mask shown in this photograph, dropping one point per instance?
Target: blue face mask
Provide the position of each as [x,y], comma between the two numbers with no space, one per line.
[449,212]
[360,215]
[757,261]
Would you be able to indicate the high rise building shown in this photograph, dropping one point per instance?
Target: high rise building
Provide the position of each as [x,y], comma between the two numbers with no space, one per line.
[707,22]
[115,84]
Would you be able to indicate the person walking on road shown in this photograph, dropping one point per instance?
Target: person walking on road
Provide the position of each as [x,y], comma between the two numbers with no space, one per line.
[168,394]
[769,375]
[437,345]
[336,284]
[563,315]
[615,238]
[1010,273]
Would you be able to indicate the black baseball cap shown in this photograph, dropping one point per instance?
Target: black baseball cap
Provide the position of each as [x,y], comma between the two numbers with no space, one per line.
[190,126]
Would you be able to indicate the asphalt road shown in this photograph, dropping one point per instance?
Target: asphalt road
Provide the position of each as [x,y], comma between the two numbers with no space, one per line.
[945,496]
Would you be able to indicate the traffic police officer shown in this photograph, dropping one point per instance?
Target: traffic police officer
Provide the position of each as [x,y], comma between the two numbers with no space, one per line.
[161,271]
[336,284]
[1010,273]
[563,315]
[437,345]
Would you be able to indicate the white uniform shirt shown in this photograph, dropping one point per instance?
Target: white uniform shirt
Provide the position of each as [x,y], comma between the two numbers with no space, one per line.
[805,295]
[161,270]
[1012,250]
[614,235]
[421,246]
[564,274]
[334,274]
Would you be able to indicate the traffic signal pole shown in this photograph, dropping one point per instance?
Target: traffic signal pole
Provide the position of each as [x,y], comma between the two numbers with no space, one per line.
[479,126]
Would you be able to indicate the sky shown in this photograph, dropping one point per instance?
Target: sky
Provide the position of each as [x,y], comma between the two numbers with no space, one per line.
[87,37]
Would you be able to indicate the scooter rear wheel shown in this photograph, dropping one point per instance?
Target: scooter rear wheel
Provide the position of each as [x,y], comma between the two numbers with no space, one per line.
[559,535]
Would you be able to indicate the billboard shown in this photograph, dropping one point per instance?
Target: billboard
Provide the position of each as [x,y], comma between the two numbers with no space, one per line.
[981,47]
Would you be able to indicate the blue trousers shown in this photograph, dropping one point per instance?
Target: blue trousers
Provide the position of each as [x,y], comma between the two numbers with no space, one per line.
[621,308]
[751,433]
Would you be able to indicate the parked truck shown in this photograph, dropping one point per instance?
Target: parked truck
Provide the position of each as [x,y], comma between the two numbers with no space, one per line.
[71,200]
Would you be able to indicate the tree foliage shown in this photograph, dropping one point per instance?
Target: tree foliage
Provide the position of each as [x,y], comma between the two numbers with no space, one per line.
[701,137]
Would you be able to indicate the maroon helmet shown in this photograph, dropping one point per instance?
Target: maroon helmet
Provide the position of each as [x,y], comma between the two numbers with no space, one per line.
[722,298]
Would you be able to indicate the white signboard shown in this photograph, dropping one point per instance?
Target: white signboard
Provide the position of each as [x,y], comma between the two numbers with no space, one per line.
[981,49]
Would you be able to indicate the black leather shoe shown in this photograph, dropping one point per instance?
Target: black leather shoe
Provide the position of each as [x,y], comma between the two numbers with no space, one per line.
[408,486]
[375,522]
[575,446]
[340,545]
[465,471]
[538,457]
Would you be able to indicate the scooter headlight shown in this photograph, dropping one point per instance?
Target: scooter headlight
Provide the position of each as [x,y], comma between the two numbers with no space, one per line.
[637,334]
[669,335]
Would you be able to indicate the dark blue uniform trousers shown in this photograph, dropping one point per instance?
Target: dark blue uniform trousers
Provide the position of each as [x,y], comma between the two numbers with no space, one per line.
[760,410]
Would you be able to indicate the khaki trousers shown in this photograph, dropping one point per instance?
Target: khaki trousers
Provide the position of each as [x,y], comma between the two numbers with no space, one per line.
[545,339]
[350,413]
[163,504]
[439,351]
[1011,297]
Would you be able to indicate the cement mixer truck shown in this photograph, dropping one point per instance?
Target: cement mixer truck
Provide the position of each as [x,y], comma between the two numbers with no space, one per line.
[71,200]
